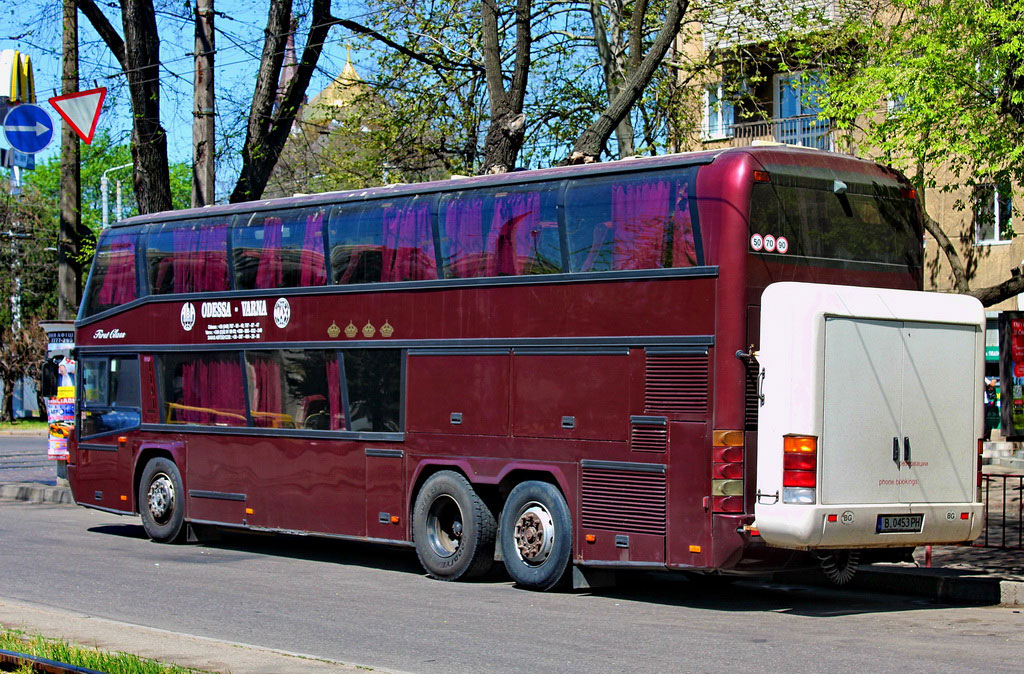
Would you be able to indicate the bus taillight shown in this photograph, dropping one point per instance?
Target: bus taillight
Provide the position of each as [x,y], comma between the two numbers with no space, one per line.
[727,472]
[799,469]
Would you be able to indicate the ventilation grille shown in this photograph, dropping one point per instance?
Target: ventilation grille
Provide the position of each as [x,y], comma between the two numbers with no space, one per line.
[676,384]
[648,438]
[624,501]
[750,399]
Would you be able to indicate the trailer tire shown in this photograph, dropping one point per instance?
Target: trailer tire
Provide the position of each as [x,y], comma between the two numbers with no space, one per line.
[161,501]
[536,535]
[453,529]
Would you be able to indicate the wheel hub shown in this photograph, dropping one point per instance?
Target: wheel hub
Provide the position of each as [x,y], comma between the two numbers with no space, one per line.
[444,526]
[534,534]
[161,497]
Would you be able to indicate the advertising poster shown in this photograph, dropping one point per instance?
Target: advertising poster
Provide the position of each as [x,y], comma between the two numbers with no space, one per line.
[1011,373]
[61,413]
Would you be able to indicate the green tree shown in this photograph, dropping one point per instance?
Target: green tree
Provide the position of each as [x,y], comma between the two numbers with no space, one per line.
[951,74]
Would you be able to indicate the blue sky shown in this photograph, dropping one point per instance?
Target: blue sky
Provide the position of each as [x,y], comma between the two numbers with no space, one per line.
[33,27]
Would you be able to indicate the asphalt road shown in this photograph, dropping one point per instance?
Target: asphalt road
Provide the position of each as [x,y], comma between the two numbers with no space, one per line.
[372,606]
[23,459]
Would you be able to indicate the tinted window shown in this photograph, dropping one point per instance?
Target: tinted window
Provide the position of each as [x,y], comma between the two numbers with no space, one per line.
[188,257]
[201,388]
[295,389]
[110,395]
[280,249]
[642,221]
[866,223]
[383,241]
[373,389]
[112,281]
[511,232]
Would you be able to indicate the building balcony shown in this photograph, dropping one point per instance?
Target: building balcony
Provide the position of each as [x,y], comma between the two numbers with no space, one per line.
[805,131]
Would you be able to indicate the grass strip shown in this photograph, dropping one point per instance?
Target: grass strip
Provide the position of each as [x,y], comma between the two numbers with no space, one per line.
[79,656]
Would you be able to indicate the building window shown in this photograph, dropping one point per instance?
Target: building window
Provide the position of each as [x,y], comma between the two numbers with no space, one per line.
[797,110]
[993,211]
[718,113]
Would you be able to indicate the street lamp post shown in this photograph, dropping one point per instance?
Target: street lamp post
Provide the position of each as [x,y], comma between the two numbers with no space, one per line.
[105,188]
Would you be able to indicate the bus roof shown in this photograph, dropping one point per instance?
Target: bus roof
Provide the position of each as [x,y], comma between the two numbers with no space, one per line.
[767,154]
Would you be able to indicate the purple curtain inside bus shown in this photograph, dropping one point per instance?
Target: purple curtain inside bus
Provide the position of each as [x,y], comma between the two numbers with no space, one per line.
[511,239]
[200,261]
[646,220]
[269,269]
[118,285]
[211,392]
[465,254]
[337,420]
[265,400]
[312,271]
[408,243]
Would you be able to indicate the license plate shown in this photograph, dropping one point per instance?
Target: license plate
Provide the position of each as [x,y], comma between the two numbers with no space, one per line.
[889,524]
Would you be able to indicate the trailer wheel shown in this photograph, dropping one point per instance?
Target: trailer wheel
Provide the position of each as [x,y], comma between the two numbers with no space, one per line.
[839,566]
[162,501]
[453,528]
[536,535]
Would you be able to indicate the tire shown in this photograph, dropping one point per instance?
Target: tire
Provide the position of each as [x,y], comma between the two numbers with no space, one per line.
[453,528]
[162,501]
[536,535]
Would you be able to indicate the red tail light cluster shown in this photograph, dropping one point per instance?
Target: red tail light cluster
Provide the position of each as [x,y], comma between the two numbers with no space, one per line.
[799,469]
[727,472]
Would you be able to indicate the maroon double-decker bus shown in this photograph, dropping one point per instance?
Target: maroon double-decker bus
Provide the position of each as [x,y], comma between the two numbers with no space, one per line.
[558,369]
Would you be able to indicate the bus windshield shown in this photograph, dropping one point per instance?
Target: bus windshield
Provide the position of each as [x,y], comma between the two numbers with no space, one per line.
[838,220]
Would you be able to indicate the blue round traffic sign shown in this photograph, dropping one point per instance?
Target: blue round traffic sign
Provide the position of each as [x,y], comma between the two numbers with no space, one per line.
[28,128]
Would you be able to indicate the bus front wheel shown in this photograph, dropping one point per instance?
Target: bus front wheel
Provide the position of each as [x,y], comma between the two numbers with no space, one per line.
[536,535]
[162,501]
[453,528]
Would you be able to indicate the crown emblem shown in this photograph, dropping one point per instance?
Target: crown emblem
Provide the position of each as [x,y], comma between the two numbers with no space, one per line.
[386,330]
[351,330]
[334,330]
[369,330]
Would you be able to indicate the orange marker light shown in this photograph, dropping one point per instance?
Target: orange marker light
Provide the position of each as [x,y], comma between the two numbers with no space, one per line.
[124,497]
[800,444]
[394,519]
[122,439]
[248,511]
[694,548]
[591,538]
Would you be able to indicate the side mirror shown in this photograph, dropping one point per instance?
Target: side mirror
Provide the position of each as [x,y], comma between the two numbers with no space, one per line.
[49,379]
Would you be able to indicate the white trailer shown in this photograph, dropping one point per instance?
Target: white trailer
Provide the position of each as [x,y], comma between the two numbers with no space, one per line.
[869,418]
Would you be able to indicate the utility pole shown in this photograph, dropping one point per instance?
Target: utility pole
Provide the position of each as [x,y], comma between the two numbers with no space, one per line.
[202,125]
[68,277]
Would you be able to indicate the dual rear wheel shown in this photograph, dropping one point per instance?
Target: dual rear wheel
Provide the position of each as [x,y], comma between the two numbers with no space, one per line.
[455,531]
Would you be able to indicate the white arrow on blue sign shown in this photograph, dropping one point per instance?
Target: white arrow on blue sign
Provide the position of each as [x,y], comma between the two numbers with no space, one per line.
[28,128]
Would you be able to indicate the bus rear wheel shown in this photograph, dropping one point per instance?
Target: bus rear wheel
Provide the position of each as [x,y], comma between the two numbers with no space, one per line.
[453,528]
[162,501]
[536,535]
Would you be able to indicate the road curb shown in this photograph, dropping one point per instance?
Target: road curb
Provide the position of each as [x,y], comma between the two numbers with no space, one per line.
[35,493]
[941,584]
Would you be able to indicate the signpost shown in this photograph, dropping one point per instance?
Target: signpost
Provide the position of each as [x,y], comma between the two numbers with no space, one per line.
[81,110]
[28,128]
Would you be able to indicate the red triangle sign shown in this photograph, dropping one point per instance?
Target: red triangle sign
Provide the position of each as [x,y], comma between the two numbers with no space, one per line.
[81,110]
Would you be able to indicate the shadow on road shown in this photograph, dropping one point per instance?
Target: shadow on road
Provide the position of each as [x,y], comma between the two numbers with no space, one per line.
[685,590]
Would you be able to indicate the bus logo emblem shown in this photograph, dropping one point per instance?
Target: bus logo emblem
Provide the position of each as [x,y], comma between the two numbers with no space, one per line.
[334,330]
[282,313]
[756,242]
[188,316]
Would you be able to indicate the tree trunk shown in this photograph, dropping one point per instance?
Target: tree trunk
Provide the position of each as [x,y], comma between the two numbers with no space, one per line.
[267,132]
[592,141]
[203,110]
[507,130]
